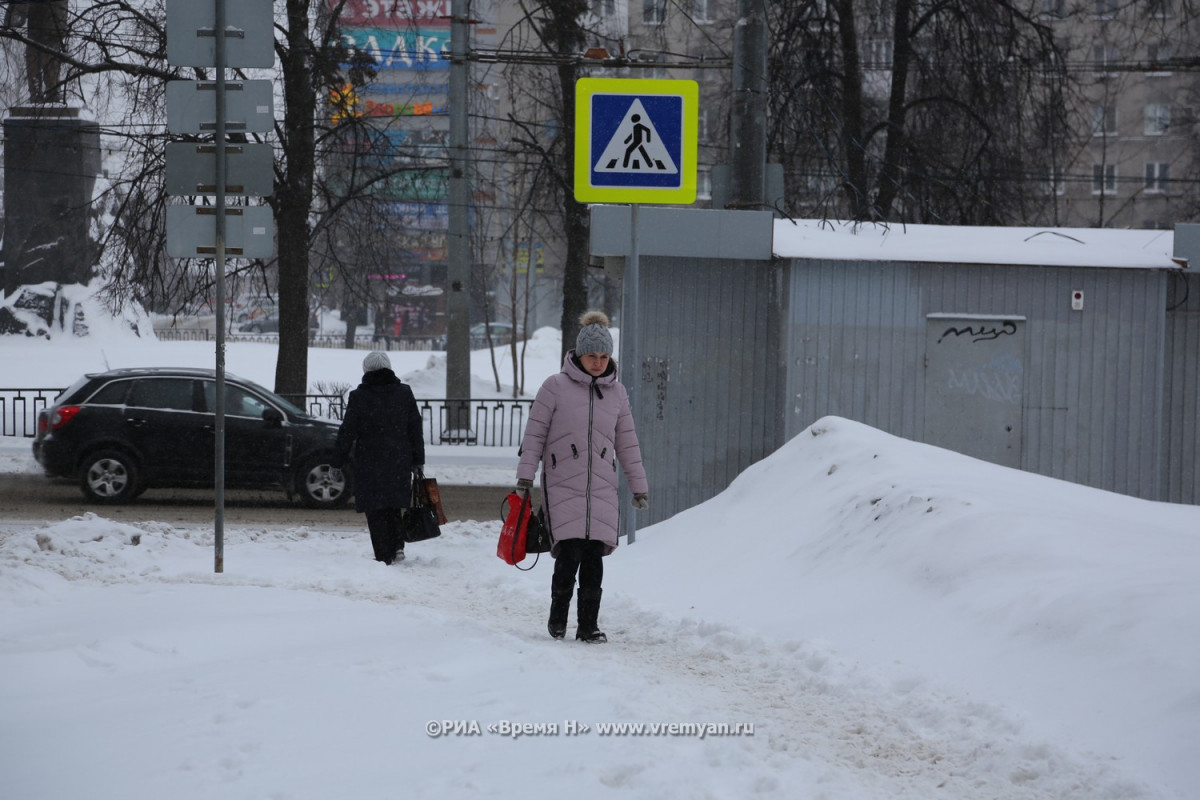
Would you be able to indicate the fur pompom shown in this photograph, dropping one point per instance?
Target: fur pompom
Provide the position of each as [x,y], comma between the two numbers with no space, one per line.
[594,318]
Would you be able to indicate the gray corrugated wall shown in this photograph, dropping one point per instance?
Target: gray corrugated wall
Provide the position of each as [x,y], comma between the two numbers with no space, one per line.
[853,334]
[1093,379]
[707,397]
[1181,433]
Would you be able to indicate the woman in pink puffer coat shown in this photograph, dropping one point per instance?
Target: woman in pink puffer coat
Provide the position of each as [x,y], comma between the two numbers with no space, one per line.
[580,429]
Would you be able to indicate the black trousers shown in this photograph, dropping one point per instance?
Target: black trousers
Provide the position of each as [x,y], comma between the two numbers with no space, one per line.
[585,556]
[386,536]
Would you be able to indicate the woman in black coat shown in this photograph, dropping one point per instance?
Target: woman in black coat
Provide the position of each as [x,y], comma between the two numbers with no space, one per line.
[381,437]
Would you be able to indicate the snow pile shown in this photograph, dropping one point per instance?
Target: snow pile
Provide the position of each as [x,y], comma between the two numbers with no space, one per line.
[57,311]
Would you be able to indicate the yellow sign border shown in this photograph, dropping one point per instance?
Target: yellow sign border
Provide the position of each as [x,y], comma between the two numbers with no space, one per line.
[585,192]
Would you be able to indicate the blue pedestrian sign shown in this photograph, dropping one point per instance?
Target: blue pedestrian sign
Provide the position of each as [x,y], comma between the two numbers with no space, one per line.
[635,141]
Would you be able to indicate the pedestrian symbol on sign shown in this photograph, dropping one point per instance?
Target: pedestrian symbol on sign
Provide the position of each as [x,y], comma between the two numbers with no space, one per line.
[636,146]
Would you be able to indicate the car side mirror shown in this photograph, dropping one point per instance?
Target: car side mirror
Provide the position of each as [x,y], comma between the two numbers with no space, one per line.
[273,417]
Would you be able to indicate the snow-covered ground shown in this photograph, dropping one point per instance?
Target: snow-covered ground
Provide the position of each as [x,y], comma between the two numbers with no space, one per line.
[857,616]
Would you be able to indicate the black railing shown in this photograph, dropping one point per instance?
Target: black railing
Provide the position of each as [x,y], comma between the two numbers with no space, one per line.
[486,423]
[330,406]
[19,409]
[327,341]
[493,422]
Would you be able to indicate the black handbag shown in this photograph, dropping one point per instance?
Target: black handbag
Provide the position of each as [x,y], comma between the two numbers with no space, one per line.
[421,518]
[537,537]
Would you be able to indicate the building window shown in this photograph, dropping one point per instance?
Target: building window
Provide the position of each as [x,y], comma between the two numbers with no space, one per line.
[1160,53]
[704,184]
[654,12]
[1104,178]
[1056,182]
[1158,175]
[1107,8]
[700,11]
[1104,56]
[603,8]
[1104,120]
[877,53]
[709,124]
[1053,67]
[1158,119]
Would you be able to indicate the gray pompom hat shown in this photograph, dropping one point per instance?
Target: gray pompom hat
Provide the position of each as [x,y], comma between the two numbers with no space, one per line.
[594,336]
[376,359]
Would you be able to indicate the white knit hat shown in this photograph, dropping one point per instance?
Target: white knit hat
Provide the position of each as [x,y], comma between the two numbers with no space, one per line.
[376,359]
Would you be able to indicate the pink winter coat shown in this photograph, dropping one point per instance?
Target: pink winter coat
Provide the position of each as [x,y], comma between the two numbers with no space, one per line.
[580,428]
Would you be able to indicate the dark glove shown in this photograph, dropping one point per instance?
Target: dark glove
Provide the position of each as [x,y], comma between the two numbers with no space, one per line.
[524,484]
[640,501]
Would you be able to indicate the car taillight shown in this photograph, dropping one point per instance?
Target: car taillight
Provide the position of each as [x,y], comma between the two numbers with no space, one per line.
[62,415]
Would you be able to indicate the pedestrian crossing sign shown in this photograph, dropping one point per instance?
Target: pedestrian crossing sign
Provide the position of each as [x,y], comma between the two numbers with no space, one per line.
[635,140]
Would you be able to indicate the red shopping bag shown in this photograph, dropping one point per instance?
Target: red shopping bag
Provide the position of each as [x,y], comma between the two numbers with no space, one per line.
[516,528]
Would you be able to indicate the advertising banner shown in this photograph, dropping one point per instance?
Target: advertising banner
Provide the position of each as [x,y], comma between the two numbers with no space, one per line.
[408,48]
[393,13]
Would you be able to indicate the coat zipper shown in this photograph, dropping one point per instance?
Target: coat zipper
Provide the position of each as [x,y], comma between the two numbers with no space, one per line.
[587,529]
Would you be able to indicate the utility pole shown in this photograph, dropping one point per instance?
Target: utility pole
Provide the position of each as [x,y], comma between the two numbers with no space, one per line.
[748,120]
[458,306]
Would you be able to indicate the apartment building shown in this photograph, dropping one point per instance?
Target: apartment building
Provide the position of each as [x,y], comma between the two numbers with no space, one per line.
[1138,94]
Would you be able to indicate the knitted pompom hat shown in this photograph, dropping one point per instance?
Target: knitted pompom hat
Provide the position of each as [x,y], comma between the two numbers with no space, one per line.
[593,334]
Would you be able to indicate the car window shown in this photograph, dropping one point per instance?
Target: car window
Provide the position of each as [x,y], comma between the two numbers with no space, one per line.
[241,404]
[238,402]
[111,394]
[174,394]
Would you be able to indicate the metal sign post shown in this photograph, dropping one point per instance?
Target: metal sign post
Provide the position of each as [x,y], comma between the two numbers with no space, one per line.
[635,142]
[192,42]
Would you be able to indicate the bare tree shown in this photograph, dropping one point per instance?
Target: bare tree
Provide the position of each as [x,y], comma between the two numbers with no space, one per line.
[115,62]
[542,61]
[917,111]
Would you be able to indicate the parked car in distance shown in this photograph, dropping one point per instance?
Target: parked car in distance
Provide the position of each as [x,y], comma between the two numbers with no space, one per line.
[121,432]
[269,323]
[502,333]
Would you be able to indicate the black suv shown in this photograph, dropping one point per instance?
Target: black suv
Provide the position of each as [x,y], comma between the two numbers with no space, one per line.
[121,432]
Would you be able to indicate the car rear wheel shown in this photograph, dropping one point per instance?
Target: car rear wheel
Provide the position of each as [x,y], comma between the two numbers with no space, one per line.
[322,486]
[109,476]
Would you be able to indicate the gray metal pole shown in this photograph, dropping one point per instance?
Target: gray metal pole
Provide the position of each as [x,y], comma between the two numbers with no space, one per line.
[219,446]
[630,351]
[458,346]
[748,120]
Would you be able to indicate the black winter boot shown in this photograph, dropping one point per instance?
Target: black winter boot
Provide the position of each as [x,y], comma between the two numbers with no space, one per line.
[589,611]
[561,590]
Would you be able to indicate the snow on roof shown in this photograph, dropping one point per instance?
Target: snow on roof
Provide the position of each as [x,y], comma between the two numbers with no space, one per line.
[959,244]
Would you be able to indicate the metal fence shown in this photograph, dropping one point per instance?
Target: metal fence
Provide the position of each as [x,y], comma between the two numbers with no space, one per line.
[485,423]
[327,341]
[19,409]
